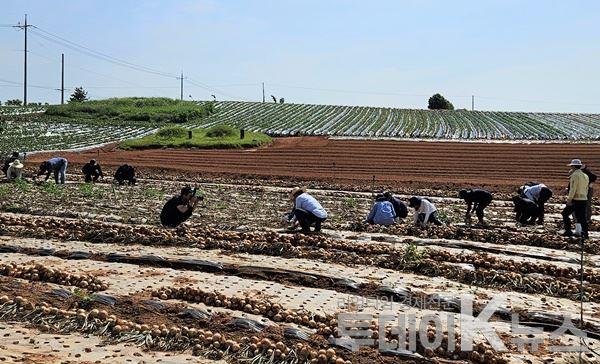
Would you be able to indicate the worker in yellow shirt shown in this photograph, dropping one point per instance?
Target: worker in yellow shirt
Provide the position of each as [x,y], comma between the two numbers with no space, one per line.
[576,200]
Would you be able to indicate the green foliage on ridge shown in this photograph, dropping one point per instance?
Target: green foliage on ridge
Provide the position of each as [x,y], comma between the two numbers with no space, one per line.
[132,110]
[221,137]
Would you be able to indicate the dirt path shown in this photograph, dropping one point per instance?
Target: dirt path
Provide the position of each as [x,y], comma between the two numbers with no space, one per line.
[427,163]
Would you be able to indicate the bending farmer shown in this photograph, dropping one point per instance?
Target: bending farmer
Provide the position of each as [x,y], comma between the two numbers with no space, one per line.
[526,210]
[307,210]
[538,193]
[382,212]
[476,200]
[58,166]
[92,171]
[399,206]
[425,211]
[125,173]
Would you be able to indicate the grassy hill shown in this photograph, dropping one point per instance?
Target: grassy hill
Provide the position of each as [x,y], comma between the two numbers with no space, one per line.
[131,110]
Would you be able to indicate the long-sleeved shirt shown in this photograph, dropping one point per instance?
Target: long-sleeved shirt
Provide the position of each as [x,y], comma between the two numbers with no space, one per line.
[90,169]
[382,213]
[578,186]
[533,192]
[590,175]
[476,197]
[55,165]
[171,216]
[306,202]
[399,207]
[426,208]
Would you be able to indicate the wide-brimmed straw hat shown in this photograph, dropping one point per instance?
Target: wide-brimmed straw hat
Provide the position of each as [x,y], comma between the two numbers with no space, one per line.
[16,164]
[295,191]
[575,162]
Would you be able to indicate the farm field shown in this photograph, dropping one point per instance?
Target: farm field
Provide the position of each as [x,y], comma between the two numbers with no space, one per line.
[359,121]
[114,120]
[87,265]
[35,135]
[395,164]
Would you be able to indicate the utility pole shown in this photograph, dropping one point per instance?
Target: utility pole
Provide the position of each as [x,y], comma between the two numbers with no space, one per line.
[263,85]
[24,27]
[472,102]
[62,79]
[181,78]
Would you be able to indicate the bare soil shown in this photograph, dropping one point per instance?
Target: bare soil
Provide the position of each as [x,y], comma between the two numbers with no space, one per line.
[430,164]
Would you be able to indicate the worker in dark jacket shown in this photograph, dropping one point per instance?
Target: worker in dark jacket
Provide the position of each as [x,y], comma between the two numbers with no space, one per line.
[125,173]
[526,210]
[592,177]
[179,208]
[399,206]
[538,193]
[477,200]
[8,161]
[92,171]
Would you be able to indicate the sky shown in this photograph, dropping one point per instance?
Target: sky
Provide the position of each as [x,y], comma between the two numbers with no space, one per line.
[535,55]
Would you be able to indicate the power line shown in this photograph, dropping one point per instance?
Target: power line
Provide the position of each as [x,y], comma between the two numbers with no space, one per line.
[105,57]
[91,52]
[212,89]
[88,70]
[19,84]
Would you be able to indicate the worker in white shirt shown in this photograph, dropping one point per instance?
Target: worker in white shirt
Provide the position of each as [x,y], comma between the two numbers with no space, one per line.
[538,193]
[425,211]
[307,210]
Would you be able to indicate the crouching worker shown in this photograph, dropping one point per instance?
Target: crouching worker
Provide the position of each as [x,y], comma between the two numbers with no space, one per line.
[92,171]
[526,210]
[399,206]
[307,210]
[14,170]
[179,208]
[477,200]
[538,193]
[125,173]
[425,211]
[14,156]
[382,212]
[58,166]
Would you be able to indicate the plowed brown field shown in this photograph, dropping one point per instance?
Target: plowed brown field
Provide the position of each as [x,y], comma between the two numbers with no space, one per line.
[430,163]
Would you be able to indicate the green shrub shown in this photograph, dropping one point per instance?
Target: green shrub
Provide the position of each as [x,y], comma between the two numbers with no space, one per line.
[133,109]
[172,132]
[220,131]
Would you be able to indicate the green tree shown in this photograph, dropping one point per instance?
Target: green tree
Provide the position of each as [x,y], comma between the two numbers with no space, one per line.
[15,102]
[79,95]
[437,102]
